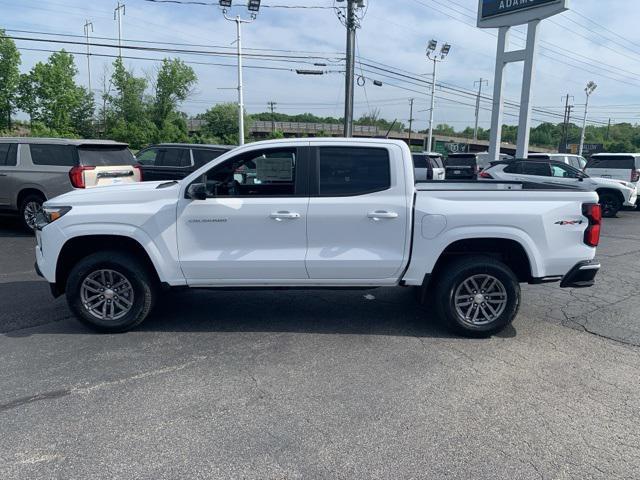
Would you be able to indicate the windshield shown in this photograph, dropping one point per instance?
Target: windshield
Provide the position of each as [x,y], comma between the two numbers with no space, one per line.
[105,156]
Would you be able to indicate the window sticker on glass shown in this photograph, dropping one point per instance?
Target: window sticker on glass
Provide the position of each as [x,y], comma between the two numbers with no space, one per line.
[274,169]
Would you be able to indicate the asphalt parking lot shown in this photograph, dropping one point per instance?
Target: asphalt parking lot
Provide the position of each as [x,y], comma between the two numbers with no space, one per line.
[275,385]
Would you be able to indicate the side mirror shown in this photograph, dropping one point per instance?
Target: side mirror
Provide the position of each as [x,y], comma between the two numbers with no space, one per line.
[197,191]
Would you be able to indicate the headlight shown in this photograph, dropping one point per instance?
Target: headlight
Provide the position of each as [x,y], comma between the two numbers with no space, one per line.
[49,215]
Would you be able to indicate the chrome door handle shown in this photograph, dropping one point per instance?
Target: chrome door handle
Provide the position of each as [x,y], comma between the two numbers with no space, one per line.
[279,216]
[3,174]
[380,214]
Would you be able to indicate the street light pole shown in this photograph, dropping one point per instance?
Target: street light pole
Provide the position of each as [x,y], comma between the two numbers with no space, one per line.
[591,87]
[435,58]
[429,145]
[254,7]
[480,83]
[88,26]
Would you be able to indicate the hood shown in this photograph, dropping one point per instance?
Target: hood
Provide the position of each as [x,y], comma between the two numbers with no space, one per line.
[118,194]
[613,183]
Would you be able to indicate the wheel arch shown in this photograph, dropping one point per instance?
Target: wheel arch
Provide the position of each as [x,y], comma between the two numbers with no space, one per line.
[613,191]
[26,191]
[77,248]
[510,252]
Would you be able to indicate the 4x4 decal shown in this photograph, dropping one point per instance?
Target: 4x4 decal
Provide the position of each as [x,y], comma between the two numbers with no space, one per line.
[570,222]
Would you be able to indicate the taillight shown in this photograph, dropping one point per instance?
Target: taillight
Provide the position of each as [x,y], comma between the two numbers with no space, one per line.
[593,212]
[76,175]
[485,175]
[139,168]
[635,176]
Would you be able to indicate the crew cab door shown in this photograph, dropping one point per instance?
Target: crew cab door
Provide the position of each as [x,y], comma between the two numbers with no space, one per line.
[358,213]
[251,228]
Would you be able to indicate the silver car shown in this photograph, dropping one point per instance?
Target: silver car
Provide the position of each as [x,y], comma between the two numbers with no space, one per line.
[33,170]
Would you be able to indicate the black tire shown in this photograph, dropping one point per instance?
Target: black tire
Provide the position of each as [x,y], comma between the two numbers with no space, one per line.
[140,280]
[28,202]
[452,279]
[610,203]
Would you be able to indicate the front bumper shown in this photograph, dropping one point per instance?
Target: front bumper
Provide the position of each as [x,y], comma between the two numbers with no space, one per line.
[583,275]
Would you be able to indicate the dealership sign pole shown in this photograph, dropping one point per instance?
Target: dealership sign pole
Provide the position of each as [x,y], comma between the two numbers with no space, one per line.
[504,14]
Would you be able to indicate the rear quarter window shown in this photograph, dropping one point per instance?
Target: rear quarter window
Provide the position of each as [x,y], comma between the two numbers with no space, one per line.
[105,156]
[53,155]
[627,163]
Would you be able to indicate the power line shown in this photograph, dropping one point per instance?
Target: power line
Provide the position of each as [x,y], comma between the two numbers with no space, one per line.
[216,4]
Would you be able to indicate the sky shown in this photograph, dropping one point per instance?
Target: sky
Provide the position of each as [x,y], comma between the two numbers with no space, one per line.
[587,43]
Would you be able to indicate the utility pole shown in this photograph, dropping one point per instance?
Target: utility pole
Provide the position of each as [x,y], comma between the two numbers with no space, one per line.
[351,22]
[254,7]
[88,25]
[480,84]
[411,100]
[567,119]
[435,58]
[272,107]
[591,87]
[608,130]
[118,13]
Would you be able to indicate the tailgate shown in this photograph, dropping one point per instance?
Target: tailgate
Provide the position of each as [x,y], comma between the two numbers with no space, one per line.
[114,175]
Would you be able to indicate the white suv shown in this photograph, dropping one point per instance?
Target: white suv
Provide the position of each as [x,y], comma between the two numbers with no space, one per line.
[614,194]
[618,166]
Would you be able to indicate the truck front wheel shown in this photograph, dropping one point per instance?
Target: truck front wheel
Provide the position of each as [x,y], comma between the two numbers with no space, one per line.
[110,291]
[477,296]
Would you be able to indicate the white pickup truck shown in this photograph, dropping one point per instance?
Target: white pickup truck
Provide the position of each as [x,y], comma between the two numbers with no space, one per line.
[316,213]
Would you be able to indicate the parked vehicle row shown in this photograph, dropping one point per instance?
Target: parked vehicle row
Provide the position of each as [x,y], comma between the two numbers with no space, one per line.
[317,213]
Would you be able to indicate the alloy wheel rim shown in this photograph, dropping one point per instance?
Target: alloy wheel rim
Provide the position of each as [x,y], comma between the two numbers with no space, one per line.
[31,211]
[480,300]
[107,294]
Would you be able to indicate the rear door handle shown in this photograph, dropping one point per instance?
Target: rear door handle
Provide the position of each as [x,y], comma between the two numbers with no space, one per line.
[3,174]
[280,216]
[380,214]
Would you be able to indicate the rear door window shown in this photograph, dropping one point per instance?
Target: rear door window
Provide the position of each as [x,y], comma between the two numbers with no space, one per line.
[539,169]
[53,155]
[513,168]
[94,156]
[612,162]
[350,171]
[173,157]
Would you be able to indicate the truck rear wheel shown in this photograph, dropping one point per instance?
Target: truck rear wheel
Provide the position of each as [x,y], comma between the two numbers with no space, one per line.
[110,291]
[477,296]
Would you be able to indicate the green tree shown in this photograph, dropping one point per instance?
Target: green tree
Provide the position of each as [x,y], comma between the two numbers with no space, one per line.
[127,109]
[9,79]
[174,83]
[49,94]
[221,123]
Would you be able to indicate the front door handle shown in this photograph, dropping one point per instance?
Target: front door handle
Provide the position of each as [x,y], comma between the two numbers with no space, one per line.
[380,214]
[280,216]
[3,174]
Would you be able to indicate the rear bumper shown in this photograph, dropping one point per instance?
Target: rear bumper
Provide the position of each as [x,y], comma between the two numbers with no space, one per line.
[582,275]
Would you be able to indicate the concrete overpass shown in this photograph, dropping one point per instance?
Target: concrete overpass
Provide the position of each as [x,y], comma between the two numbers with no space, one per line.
[262,129]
